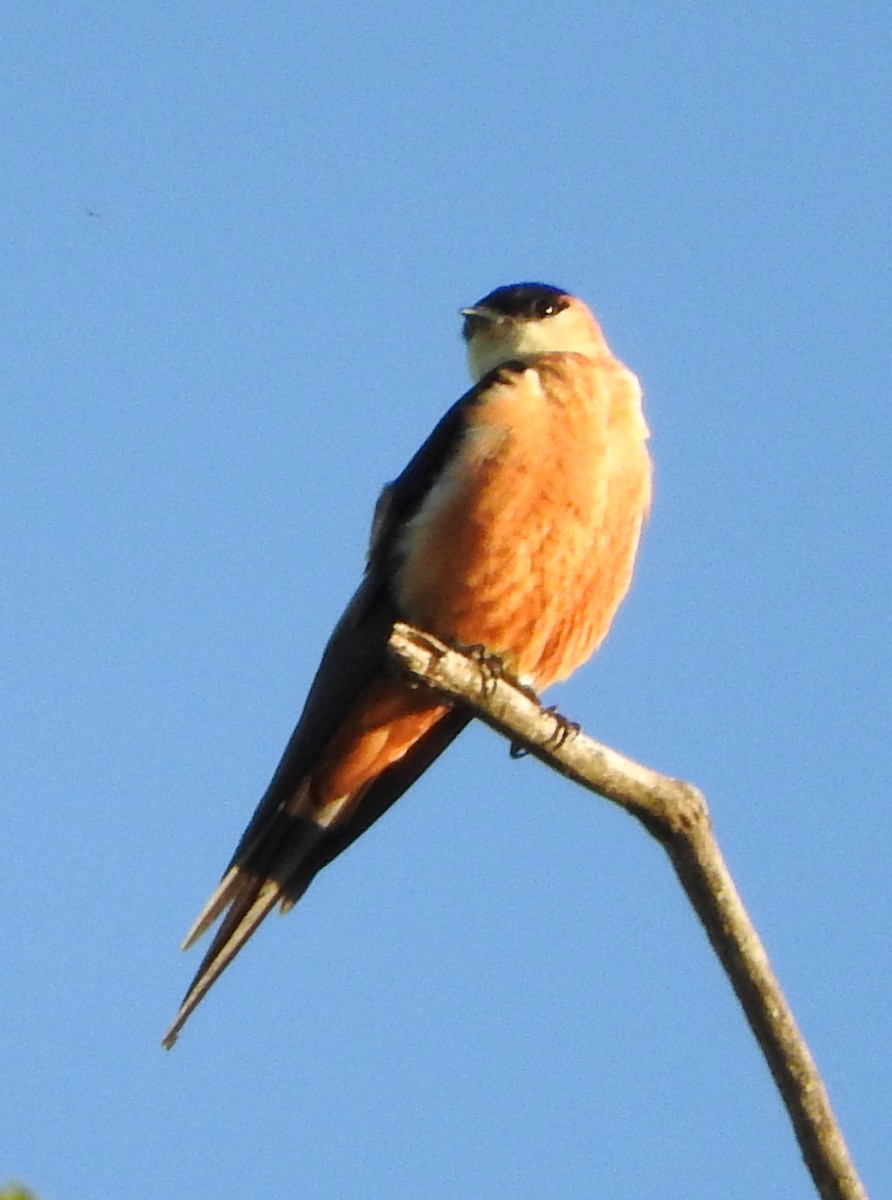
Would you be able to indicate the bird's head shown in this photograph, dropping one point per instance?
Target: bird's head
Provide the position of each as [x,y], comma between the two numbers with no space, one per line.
[523,320]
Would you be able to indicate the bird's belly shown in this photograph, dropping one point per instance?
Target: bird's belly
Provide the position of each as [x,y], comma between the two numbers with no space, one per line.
[528,561]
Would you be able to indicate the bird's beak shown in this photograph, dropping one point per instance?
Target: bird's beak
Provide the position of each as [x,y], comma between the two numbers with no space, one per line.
[477,318]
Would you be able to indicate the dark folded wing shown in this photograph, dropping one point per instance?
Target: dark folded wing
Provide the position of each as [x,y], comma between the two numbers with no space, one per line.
[280,852]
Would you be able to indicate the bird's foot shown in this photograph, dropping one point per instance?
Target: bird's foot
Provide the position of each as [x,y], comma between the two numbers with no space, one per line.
[564,729]
[492,668]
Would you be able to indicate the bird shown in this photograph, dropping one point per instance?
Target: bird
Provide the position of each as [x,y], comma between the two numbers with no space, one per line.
[514,529]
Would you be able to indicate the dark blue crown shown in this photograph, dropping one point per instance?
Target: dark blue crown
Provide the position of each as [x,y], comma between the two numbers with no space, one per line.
[523,301]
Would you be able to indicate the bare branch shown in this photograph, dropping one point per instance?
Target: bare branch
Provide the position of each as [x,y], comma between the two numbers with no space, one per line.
[675,813]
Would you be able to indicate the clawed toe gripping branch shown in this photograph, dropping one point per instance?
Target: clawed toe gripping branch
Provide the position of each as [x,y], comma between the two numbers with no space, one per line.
[675,813]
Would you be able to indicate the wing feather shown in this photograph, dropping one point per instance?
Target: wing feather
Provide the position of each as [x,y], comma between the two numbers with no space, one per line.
[280,852]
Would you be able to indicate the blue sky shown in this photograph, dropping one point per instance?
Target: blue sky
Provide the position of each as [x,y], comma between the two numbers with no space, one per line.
[236,238]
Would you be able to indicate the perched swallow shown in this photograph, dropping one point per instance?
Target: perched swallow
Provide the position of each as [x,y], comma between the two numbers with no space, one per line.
[514,528]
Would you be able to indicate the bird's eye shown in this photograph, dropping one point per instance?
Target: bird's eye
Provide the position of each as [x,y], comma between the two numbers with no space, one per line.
[546,310]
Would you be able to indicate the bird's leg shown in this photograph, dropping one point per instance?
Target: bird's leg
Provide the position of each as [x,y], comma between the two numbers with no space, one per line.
[492,668]
[563,728]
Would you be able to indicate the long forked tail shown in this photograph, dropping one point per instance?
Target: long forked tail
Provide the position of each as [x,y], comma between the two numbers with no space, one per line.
[249,893]
[279,857]
[241,921]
